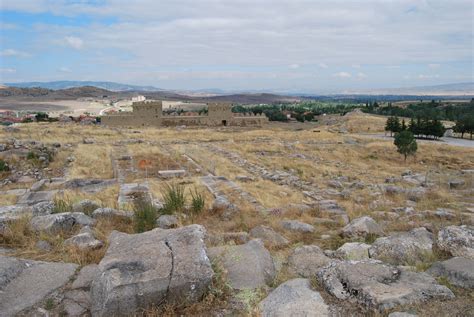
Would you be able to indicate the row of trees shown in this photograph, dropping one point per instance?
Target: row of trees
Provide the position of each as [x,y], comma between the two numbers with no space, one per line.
[465,125]
[420,127]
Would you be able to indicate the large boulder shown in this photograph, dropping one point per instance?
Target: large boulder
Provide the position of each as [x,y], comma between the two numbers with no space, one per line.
[86,206]
[457,240]
[106,212]
[458,271]
[362,227]
[60,222]
[294,298]
[25,283]
[380,286]
[307,260]
[167,221]
[146,269]
[270,237]
[403,247]
[84,240]
[353,251]
[248,266]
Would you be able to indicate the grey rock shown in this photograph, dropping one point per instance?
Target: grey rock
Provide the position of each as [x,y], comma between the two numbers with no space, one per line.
[307,260]
[457,240]
[380,286]
[222,203]
[85,276]
[402,248]
[25,283]
[76,302]
[38,185]
[270,237]
[111,212]
[237,260]
[401,314]
[33,198]
[294,298]
[43,245]
[88,141]
[458,271]
[60,222]
[353,251]
[361,227]
[456,183]
[84,241]
[295,225]
[140,270]
[43,208]
[167,222]
[86,206]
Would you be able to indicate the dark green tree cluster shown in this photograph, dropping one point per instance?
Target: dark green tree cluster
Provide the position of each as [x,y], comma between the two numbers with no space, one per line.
[405,143]
[465,125]
[421,128]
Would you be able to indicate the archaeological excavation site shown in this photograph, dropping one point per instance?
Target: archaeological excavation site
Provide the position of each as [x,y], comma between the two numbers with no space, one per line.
[214,220]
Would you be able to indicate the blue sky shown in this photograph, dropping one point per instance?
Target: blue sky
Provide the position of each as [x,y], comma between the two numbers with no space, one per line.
[298,45]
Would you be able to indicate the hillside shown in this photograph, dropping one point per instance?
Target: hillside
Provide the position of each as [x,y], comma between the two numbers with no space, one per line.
[65,84]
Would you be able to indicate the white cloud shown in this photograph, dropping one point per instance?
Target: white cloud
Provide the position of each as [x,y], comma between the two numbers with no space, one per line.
[74,42]
[356,66]
[8,70]
[342,75]
[294,66]
[323,65]
[13,53]
[423,76]
[64,70]
[434,66]
[361,75]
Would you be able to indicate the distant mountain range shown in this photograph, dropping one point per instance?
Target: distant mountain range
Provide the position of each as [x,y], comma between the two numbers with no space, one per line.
[456,89]
[65,84]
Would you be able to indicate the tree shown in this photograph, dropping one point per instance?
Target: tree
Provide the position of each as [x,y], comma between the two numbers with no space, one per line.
[405,143]
[404,126]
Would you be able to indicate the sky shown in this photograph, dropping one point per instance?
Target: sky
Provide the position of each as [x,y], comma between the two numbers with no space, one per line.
[274,45]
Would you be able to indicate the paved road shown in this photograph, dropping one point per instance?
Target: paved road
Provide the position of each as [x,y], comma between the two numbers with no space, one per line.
[451,141]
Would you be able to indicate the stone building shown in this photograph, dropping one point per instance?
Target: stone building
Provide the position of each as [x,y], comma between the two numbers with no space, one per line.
[150,114]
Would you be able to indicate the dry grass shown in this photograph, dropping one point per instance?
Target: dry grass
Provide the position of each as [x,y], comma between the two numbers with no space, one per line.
[8,199]
[92,161]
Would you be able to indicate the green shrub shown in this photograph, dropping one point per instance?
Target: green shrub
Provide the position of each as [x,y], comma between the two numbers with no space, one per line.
[173,198]
[197,202]
[4,166]
[32,156]
[145,214]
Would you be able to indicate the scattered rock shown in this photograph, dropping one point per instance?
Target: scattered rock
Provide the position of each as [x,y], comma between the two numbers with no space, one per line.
[111,212]
[84,240]
[353,251]
[458,271]
[401,314]
[402,248]
[167,222]
[86,206]
[457,240]
[60,222]
[295,225]
[25,283]
[237,260]
[43,245]
[85,276]
[362,227]
[294,298]
[43,208]
[380,286]
[456,183]
[270,237]
[140,270]
[307,260]
[88,141]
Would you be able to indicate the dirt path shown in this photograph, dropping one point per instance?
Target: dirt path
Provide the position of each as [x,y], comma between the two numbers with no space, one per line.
[450,141]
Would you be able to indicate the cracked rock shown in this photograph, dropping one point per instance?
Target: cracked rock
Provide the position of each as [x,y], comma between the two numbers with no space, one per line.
[150,268]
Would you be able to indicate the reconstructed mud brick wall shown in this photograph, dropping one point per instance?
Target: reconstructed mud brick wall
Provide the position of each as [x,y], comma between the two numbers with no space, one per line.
[150,114]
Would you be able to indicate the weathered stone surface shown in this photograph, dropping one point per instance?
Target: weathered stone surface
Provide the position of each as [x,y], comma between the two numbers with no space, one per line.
[167,222]
[62,221]
[25,283]
[85,276]
[307,260]
[43,245]
[456,183]
[353,251]
[111,212]
[270,237]
[458,271]
[146,269]
[294,298]
[33,198]
[86,206]
[401,314]
[76,302]
[84,240]
[295,225]
[237,260]
[380,286]
[457,240]
[361,227]
[222,203]
[172,173]
[404,247]
[43,208]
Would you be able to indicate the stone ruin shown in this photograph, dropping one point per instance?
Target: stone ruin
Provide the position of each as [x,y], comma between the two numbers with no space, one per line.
[150,114]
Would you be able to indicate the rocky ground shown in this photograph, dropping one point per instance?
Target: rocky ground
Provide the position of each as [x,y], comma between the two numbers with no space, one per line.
[297,220]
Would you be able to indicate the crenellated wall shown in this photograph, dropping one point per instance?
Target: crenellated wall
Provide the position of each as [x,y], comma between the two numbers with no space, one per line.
[150,114]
